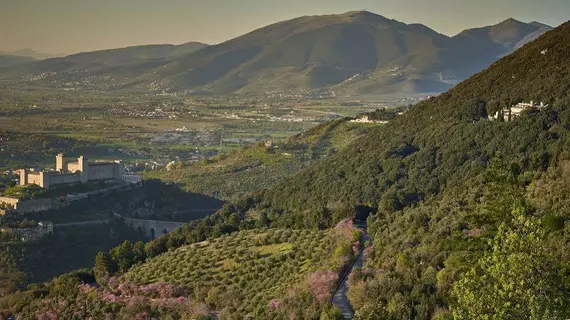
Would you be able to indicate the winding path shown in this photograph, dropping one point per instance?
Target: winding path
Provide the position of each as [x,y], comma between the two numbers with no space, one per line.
[340,299]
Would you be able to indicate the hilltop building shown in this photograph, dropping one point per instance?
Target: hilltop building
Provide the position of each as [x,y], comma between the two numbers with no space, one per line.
[71,170]
[509,114]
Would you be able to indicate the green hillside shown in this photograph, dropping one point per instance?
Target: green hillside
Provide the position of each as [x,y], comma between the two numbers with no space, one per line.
[268,273]
[233,176]
[356,52]
[440,143]
[7,60]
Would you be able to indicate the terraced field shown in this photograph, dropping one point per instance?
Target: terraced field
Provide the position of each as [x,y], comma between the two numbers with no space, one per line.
[250,272]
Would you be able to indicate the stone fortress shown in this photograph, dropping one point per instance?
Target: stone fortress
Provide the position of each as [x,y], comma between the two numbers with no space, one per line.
[71,170]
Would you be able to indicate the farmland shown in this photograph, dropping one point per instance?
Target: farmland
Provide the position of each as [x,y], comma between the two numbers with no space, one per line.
[155,128]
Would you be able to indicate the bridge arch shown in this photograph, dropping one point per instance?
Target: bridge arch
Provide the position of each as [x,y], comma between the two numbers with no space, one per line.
[152,228]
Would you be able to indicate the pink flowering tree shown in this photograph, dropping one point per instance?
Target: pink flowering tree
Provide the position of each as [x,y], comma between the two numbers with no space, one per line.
[368,251]
[274,304]
[321,284]
[347,229]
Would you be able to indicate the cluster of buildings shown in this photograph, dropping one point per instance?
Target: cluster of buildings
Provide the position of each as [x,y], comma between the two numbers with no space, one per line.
[509,114]
[366,119]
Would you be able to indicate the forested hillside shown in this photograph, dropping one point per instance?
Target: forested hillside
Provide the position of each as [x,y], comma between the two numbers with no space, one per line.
[441,142]
[235,175]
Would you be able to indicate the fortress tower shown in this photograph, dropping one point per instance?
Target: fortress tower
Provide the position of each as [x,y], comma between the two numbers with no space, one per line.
[59,162]
[83,164]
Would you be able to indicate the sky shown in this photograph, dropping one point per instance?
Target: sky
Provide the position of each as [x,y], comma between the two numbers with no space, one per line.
[70,26]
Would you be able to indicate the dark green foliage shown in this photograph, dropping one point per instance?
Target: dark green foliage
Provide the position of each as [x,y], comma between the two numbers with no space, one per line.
[28,192]
[516,280]
[553,223]
[104,266]
[441,141]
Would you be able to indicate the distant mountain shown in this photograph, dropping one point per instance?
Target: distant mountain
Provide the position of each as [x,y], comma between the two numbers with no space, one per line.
[351,53]
[32,54]
[12,60]
[480,47]
[103,61]
[542,29]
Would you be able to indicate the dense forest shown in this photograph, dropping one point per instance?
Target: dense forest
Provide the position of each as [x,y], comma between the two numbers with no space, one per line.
[470,215]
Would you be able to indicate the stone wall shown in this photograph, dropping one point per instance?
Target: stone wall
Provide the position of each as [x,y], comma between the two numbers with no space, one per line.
[63,178]
[103,171]
[73,166]
[29,206]
[35,178]
[132,178]
[39,205]
[30,234]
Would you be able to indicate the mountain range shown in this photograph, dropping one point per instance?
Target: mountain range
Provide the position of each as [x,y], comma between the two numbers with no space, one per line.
[352,53]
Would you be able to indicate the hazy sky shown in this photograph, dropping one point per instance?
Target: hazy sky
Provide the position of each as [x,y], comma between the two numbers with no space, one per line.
[69,26]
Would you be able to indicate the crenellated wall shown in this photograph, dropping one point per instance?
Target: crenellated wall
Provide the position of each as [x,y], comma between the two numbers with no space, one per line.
[9,200]
[73,167]
[62,178]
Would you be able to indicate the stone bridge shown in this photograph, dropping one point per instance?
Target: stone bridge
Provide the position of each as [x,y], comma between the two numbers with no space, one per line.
[150,228]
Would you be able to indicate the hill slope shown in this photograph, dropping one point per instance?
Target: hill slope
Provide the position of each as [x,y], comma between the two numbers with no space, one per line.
[261,273]
[351,53]
[7,60]
[32,54]
[441,141]
[235,175]
[101,65]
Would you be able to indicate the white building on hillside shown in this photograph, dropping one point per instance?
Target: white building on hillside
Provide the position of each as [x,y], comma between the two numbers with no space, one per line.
[509,114]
